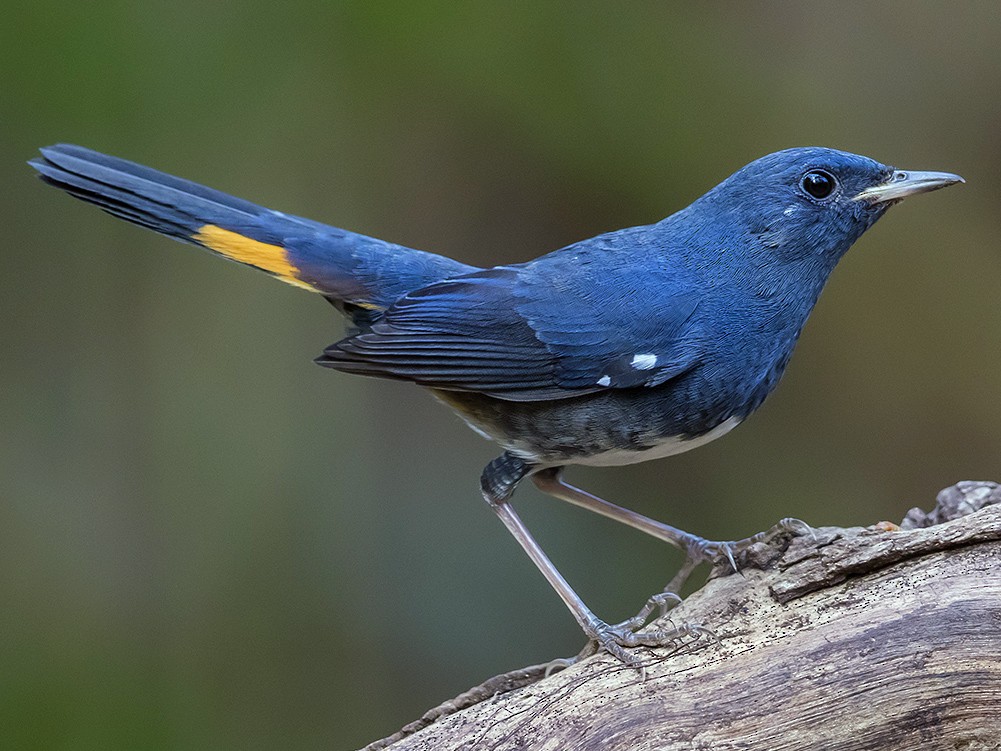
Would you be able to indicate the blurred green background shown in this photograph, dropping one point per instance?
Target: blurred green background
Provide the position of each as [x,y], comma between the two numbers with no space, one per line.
[208,542]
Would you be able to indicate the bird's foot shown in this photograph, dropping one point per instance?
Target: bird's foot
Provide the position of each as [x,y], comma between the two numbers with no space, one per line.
[616,639]
[701,550]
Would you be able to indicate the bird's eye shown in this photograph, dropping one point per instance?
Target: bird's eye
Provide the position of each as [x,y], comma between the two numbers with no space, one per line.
[818,183]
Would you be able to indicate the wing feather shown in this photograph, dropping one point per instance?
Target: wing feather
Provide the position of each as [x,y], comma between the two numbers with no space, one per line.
[546,330]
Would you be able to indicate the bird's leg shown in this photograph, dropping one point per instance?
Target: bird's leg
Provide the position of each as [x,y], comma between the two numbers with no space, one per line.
[697,549]
[498,483]
[611,638]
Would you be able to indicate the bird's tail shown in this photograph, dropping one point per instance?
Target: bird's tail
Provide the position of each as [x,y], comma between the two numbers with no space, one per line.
[349,269]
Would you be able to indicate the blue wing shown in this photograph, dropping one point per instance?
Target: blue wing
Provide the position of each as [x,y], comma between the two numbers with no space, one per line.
[558,327]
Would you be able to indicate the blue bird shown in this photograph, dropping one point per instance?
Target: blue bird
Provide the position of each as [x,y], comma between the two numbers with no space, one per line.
[633,345]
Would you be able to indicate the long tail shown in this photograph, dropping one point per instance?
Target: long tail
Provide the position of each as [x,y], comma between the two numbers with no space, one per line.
[352,270]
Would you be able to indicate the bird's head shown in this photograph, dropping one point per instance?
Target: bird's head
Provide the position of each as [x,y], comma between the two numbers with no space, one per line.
[810,204]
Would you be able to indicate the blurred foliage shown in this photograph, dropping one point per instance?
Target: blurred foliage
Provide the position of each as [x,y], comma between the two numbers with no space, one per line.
[207,542]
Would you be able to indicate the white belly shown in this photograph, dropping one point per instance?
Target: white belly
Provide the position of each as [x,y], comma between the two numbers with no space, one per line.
[669,447]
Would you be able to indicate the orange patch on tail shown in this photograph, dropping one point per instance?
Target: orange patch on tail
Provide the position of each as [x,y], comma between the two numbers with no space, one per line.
[270,258]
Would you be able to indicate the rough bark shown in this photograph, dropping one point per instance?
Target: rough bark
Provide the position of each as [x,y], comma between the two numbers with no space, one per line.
[883,638]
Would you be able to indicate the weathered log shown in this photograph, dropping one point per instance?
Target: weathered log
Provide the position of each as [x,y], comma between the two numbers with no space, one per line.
[883,638]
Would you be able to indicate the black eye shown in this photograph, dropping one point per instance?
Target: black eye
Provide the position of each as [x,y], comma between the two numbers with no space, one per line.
[818,183]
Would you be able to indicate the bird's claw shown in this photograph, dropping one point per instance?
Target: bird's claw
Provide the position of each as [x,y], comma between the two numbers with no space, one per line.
[616,639]
[794,526]
[700,549]
[662,602]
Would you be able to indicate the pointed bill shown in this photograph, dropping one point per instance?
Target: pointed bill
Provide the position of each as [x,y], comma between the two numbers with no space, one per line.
[903,183]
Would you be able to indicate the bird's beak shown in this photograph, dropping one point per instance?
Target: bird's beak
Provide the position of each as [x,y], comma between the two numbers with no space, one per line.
[903,183]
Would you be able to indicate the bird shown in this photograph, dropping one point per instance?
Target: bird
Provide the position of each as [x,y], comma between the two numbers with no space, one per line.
[633,345]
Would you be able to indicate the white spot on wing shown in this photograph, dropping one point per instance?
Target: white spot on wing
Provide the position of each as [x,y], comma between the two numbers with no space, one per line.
[643,362]
[605,381]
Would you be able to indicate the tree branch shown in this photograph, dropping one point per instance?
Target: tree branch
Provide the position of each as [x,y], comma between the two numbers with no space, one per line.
[883,638]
